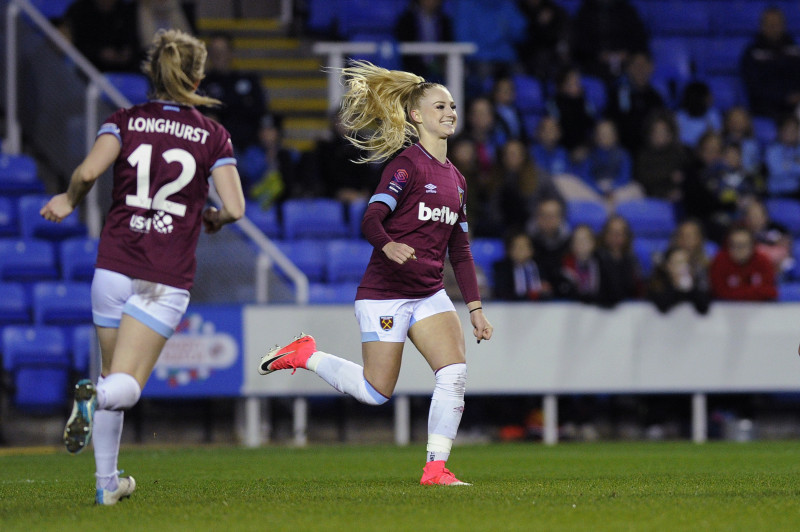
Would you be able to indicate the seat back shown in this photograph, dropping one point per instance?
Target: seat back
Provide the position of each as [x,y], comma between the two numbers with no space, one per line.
[78,256]
[347,260]
[649,218]
[313,218]
[32,225]
[62,303]
[27,260]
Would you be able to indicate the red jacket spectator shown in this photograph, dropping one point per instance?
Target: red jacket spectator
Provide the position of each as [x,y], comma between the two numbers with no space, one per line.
[741,273]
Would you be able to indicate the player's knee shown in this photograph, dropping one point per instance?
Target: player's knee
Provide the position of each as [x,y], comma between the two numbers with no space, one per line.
[118,391]
[452,380]
[373,396]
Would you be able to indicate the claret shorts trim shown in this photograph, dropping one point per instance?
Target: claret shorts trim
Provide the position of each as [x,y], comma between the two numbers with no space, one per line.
[388,320]
[158,306]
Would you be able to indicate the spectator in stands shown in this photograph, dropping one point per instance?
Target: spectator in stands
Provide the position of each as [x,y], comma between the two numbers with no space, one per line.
[632,99]
[146,261]
[620,274]
[105,32]
[331,169]
[550,234]
[782,159]
[574,111]
[507,114]
[521,185]
[243,99]
[697,114]
[496,28]
[269,169]
[547,150]
[545,48]
[517,277]
[483,130]
[770,66]
[739,272]
[772,239]
[662,163]
[605,175]
[424,21]
[737,127]
[154,15]
[689,236]
[484,221]
[580,271]
[605,33]
[673,282]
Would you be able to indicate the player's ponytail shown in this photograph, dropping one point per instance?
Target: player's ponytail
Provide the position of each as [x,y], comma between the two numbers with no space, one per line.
[175,65]
[375,108]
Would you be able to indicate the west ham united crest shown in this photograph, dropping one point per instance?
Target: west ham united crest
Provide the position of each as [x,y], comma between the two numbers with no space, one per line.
[387,322]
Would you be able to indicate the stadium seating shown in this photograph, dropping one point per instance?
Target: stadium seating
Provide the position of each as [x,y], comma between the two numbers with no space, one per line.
[38,364]
[52,9]
[590,213]
[332,293]
[78,256]
[485,252]
[27,260]
[313,218]
[62,303]
[347,260]
[15,305]
[648,251]
[9,226]
[355,213]
[595,90]
[84,347]
[529,95]
[717,55]
[789,292]
[765,129]
[18,175]
[727,91]
[736,17]
[673,17]
[785,211]
[32,225]
[308,255]
[649,217]
[266,220]
[672,62]
[135,87]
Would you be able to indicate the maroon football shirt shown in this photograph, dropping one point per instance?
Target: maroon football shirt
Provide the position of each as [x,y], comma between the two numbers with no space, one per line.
[427,199]
[160,190]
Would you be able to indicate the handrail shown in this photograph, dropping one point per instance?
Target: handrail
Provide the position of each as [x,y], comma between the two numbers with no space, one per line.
[455,52]
[99,86]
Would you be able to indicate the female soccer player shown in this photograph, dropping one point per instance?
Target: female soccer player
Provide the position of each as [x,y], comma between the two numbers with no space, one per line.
[163,153]
[415,217]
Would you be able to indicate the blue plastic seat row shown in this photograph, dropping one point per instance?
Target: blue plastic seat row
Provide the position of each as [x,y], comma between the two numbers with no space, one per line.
[32,259]
[46,303]
[20,216]
[315,218]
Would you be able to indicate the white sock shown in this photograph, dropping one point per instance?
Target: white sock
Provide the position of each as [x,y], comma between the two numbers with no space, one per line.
[118,391]
[345,376]
[447,407]
[106,435]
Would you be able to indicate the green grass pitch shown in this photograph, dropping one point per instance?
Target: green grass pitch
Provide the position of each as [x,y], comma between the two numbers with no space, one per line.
[597,486]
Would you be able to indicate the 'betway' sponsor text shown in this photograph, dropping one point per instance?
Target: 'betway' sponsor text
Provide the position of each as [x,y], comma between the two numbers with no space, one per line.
[443,214]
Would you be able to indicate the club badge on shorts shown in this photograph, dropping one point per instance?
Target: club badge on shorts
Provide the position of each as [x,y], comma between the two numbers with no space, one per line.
[387,322]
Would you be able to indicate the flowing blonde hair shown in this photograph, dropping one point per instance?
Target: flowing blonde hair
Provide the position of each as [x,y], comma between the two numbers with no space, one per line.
[175,64]
[376,106]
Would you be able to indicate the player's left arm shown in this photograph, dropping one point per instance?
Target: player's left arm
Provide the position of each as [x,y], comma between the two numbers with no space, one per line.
[103,153]
[464,270]
[229,187]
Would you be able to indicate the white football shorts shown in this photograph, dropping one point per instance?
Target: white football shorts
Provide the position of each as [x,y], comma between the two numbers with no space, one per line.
[388,320]
[156,305]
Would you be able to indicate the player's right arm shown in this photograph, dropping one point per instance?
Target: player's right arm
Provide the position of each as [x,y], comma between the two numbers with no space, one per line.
[102,155]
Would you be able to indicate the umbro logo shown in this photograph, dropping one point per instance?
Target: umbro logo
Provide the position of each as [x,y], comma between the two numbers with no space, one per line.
[430,188]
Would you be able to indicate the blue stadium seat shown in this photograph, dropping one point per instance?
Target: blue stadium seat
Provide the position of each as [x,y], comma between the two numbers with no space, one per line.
[347,260]
[313,218]
[15,305]
[590,213]
[135,87]
[672,65]
[62,303]
[27,260]
[84,348]
[736,17]
[266,220]
[727,91]
[52,9]
[649,251]
[355,213]
[765,130]
[78,256]
[18,175]
[308,255]
[37,361]
[785,211]
[595,90]
[672,17]
[322,17]
[485,252]
[648,218]
[717,55]
[529,94]
[9,225]
[332,293]
[789,292]
[379,17]
[32,225]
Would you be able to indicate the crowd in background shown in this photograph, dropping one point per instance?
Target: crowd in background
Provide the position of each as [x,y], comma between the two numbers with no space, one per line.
[523,168]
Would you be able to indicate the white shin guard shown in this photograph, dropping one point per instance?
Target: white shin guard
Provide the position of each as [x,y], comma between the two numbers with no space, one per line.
[447,407]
